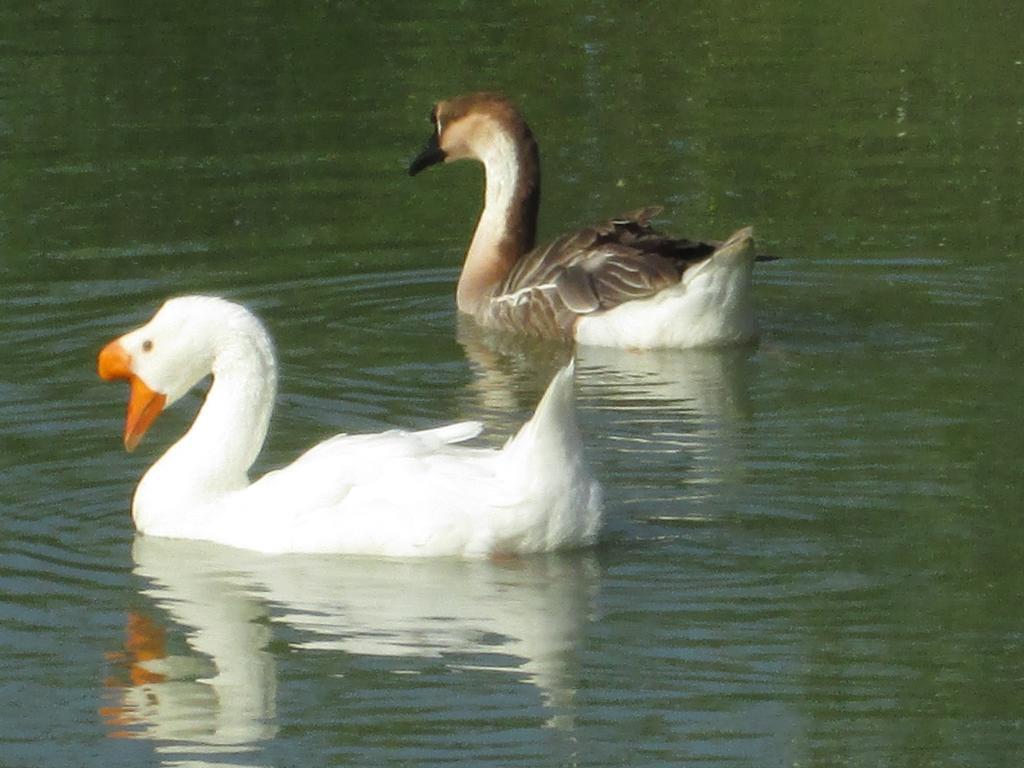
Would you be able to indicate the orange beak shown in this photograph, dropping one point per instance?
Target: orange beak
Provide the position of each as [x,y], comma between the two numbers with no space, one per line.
[144,405]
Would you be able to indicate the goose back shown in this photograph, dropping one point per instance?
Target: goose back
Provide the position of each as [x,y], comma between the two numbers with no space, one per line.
[590,270]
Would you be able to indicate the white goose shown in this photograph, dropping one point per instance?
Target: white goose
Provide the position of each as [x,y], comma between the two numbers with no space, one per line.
[395,493]
[618,284]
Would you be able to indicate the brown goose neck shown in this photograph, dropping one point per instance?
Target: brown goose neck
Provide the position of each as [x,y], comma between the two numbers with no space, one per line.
[527,198]
[507,229]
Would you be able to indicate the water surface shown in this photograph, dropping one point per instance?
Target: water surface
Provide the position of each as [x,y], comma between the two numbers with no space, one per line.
[812,551]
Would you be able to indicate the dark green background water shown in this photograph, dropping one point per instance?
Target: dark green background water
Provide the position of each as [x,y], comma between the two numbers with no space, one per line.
[813,550]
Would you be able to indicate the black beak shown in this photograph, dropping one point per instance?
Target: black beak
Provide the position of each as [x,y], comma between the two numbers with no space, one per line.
[432,154]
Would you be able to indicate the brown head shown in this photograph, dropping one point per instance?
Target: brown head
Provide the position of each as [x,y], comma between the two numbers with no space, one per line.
[471,126]
[487,127]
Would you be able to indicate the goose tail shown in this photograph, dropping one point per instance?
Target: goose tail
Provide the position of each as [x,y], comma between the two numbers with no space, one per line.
[547,456]
[553,429]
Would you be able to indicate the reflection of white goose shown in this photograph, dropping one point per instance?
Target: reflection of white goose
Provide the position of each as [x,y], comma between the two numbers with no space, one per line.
[524,616]
[185,697]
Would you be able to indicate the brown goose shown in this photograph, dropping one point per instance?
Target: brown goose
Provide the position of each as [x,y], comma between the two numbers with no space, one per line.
[621,283]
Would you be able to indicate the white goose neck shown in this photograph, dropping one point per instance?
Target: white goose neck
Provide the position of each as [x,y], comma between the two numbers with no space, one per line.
[214,456]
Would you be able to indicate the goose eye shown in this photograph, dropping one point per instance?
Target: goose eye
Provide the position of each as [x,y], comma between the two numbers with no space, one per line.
[147,345]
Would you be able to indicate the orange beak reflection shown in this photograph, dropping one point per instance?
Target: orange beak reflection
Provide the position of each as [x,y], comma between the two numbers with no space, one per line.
[144,405]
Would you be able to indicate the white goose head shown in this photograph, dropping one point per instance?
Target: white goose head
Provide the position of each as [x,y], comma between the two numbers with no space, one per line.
[174,351]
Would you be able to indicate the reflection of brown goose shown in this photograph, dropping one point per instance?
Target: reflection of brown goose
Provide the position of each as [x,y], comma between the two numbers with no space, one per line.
[621,283]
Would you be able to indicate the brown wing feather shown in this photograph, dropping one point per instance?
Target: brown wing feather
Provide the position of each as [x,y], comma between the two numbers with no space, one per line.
[591,270]
[576,288]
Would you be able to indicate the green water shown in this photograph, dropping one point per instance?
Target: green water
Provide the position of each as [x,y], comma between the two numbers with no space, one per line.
[812,552]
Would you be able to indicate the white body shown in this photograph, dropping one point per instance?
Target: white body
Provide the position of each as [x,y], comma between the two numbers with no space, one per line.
[711,306]
[395,493]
